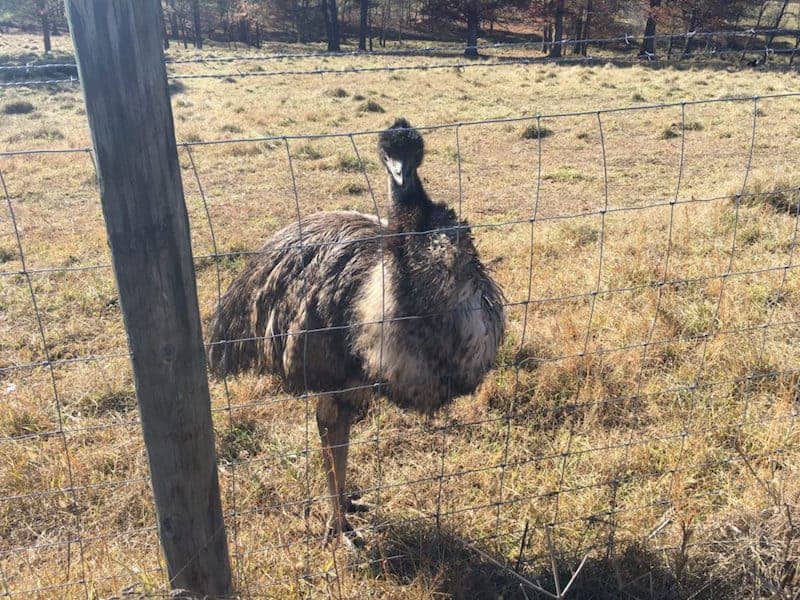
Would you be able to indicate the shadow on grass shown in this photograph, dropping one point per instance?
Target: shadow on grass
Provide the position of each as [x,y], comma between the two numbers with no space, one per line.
[444,565]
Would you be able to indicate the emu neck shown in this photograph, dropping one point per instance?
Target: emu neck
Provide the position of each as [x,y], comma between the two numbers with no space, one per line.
[410,206]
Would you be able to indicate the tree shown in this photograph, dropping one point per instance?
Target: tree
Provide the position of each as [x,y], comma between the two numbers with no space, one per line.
[469,12]
[558,31]
[363,24]
[330,12]
[648,47]
[472,14]
[196,26]
[43,10]
[45,15]
[582,29]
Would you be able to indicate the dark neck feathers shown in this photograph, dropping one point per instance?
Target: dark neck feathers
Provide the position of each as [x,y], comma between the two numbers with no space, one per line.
[410,206]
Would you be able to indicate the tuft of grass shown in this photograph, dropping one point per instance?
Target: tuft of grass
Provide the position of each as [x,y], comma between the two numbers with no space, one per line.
[231,128]
[308,151]
[228,258]
[354,189]
[240,441]
[534,132]
[338,93]
[47,133]
[19,107]
[582,234]
[245,150]
[670,133]
[350,164]
[192,136]
[372,106]
[23,423]
[7,254]
[111,402]
[565,175]
[780,195]
[176,87]
[675,129]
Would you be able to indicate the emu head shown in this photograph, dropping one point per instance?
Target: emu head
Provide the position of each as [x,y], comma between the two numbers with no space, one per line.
[401,149]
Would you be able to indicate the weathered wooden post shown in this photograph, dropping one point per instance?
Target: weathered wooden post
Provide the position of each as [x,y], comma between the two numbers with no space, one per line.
[118,48]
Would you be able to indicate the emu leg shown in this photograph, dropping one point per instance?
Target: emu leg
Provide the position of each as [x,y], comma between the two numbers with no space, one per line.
[333,421]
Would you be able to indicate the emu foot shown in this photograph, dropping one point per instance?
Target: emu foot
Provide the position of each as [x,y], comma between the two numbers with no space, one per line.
[356,505]
[351,538]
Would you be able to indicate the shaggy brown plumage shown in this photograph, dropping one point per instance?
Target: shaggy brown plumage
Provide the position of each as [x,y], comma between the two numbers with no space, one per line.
[342,300]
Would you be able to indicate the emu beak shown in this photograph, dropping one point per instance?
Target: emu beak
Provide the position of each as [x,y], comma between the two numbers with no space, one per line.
[396,170]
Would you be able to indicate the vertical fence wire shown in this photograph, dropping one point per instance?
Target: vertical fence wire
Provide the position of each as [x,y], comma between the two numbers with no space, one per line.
[511,408]
[75,507]
[503,498]
[715,321]
[662,282]
[306,390]
[377,420]
[584,356]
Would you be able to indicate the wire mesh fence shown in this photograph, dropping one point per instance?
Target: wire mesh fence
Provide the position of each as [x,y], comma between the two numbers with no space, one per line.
[643,408]
[756,46]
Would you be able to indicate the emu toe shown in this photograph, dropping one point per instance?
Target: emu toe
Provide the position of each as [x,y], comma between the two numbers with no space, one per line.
[351,538]
[354,504]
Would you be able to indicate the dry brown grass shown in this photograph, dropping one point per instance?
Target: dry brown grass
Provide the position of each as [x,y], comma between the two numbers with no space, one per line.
[699,486]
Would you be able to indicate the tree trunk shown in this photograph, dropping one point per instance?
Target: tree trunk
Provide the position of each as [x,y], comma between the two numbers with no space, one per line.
[370,14]
[582,30]
[558,32]
[689,44]
[331,15]
[386,13]
[44,17]
[547,37]
[363,24]
[473,16]
[649,41]
[196,27]
[173,21]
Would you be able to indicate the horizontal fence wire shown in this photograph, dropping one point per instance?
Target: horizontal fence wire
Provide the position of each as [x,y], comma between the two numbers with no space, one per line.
[628,39]
[619,42]
[507,505]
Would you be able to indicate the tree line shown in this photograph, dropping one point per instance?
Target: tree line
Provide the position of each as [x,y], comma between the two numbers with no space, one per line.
[374,22]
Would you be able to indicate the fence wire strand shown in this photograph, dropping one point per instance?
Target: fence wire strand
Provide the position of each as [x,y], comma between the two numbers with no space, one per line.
[541,509]
[622,44]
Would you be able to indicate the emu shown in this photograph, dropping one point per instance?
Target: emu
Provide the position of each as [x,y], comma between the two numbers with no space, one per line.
[348,306]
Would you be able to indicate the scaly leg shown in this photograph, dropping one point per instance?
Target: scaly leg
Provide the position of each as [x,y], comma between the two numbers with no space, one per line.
[333,421]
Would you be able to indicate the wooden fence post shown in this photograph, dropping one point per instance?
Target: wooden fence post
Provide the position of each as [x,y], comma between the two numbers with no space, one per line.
[118,48]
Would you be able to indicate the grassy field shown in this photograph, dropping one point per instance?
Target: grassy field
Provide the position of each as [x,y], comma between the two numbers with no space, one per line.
[653,427]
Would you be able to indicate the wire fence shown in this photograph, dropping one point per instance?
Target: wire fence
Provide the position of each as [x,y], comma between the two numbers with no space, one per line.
[625,410]
[762,43]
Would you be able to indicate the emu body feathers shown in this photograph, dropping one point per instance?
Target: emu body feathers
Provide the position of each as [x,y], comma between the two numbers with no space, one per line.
[341,302]
[336,308]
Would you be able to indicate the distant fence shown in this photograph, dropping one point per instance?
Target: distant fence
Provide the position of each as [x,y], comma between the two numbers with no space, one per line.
[758,46]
